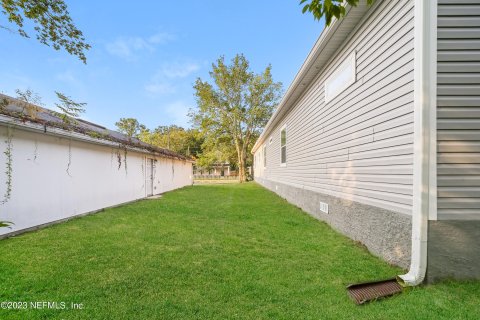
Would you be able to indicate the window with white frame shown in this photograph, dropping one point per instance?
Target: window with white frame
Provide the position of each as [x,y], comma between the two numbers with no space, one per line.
[283,146]
[341,78]
[265,156]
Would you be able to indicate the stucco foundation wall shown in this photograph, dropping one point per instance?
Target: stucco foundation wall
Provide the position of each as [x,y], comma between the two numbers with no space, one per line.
[453,250]
[54,178]
[385,233]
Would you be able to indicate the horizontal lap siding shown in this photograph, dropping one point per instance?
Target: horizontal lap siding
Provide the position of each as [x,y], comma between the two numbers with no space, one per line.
[458,109]
[359,145]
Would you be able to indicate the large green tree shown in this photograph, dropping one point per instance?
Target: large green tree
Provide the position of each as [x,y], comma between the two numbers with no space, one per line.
[52,24]
[129,126]
[184,141]
[236,106]
[328,8]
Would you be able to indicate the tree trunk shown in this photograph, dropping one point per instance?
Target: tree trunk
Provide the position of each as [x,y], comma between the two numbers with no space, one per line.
[242,175]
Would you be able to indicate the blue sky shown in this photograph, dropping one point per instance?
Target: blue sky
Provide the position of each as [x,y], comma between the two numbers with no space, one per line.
[146,55]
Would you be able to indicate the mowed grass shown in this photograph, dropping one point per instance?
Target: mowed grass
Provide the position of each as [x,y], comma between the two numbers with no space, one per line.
[208,252]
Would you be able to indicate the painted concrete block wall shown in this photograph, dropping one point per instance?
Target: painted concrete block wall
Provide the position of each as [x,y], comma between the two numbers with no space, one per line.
[55,178]
[359,145]
[458,110]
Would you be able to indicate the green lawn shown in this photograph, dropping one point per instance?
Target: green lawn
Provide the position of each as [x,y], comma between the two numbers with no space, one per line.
[208,252]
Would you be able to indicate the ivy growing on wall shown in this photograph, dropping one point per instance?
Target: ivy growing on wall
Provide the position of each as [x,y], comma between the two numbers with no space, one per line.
[35,152]
[69,156]
[125,159]
[6,224]
[119,158]
[8,166]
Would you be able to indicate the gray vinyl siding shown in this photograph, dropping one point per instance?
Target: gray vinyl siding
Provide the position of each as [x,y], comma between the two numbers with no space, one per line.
[458,109]
[359,145]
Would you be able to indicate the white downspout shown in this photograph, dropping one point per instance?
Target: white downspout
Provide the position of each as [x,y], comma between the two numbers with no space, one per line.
[425,60]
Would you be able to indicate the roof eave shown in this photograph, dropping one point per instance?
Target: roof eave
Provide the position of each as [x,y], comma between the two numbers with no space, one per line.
[315,63]
[59,132]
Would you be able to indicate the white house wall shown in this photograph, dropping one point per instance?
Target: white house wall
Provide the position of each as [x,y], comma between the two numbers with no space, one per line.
[359,145]
[43,190]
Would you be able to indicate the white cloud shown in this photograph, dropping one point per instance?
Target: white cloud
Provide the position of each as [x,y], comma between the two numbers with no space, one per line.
[166,79]
[68,77]
[159,88]
[161,38]
[179,70]
[73,81]
[178,112]
[129,48]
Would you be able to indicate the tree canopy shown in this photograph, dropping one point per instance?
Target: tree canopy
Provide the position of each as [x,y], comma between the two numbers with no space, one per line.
[328,8]
[187,142]
[52,24]
[129,126]
[233,109]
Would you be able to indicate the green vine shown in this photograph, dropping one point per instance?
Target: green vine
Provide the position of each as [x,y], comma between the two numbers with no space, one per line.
[35,152]
[8,166]
[125,158]
[69,157]
[6,224]
[111,156]
[119,159]
[97,135]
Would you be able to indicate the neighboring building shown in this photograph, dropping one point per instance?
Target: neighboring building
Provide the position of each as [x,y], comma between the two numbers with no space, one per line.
[379,134]
[216,170]
[56,169]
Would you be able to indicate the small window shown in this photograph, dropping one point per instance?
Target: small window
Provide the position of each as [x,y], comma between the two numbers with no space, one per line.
[342,77]
[270,140]
[283,146]
[264,156]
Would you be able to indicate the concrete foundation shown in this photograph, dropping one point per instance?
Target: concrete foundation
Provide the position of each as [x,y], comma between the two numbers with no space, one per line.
[385,233]
[453,250]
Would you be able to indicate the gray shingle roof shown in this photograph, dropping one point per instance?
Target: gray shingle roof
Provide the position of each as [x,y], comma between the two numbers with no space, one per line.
[17,109]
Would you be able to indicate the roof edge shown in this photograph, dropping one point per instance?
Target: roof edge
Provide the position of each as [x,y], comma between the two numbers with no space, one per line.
[309,63]
[46,128]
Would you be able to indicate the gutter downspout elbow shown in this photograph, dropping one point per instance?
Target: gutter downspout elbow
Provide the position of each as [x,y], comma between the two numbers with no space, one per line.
[418,265]
[424,157]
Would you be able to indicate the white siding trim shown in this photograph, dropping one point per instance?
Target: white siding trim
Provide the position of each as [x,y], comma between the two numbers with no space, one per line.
[264,149]
[432,79]
[283,128]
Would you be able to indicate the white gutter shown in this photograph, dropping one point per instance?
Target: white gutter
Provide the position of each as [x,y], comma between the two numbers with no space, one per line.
[425,61]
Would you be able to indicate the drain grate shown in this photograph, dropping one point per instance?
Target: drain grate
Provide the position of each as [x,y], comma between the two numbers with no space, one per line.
[364,292]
